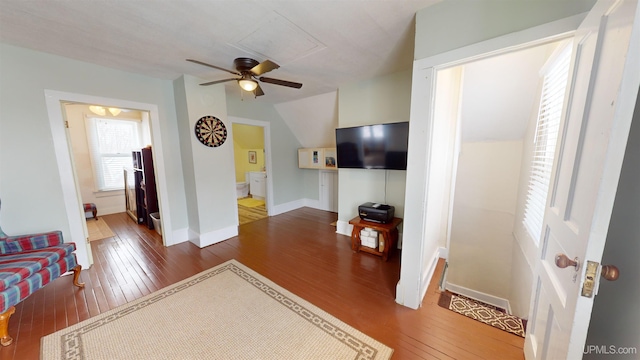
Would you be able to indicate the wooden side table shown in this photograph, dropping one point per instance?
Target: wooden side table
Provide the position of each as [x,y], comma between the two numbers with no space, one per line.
[389,233]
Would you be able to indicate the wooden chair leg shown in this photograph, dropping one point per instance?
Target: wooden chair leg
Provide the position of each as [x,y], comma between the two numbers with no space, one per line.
[76,276]
[5,339]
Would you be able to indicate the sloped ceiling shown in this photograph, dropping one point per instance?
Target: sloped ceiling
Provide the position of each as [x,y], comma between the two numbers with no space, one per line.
[499,94]
[312,120]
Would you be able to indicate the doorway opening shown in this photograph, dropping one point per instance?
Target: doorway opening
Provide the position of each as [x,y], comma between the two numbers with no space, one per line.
[251,172]
[252,166]
[487,118]
[112,155]
[55,101]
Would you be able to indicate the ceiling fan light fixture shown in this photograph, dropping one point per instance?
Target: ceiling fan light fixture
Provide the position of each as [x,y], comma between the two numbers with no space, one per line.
[248,84]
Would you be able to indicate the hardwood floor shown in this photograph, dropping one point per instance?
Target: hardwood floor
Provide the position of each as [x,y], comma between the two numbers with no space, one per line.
[298,250]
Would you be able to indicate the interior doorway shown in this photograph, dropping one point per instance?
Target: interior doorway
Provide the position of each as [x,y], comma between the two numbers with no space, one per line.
[251,174]
[252,167]
[491,106]
[103,140]
[68,179]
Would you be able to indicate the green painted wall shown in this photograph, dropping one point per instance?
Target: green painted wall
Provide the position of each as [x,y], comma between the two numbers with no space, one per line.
[287,178]
[380,100]
[29,179]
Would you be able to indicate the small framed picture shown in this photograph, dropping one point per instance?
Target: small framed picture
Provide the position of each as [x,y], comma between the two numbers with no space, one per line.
[252,157]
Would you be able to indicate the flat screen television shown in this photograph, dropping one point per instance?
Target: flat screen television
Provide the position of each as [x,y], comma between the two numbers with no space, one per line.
[381,146]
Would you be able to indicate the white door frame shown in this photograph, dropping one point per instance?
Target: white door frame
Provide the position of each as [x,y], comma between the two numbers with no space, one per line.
[421,254]
[266,126]
[71,194]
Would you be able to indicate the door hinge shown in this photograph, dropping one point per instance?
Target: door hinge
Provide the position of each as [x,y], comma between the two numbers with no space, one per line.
[66,124]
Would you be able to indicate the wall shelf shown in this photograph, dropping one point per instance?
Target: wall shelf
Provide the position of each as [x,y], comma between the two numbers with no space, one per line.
[318,158]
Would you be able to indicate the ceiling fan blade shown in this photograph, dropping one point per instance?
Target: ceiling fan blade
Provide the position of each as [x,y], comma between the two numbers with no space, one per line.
[258,91]
[217,82]
[264,67]
[281,82]
[212,66]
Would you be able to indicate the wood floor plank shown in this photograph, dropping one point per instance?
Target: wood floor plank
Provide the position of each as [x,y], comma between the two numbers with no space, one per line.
[298,250]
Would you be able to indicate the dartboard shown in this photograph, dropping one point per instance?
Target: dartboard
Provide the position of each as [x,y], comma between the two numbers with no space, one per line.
[211,131]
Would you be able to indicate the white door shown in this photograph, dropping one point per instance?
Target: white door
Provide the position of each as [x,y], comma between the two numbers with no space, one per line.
[329,190]
[598,111]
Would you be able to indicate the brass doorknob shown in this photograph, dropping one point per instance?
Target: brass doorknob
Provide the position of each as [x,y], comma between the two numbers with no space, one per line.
[610,272]
[563,261]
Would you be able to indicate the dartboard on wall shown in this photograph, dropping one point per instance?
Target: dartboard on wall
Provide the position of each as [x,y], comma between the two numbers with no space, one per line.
[211,131]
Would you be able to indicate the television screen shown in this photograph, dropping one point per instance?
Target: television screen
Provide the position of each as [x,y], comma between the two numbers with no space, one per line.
[381,146]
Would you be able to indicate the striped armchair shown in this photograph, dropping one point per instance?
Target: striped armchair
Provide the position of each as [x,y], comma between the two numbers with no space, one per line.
[27,263]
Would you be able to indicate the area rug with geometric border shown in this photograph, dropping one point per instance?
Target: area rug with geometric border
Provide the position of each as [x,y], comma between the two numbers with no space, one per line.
[485,313]
[226,312]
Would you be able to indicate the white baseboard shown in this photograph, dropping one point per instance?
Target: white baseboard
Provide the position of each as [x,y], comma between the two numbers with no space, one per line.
[313,204]
[102,210]
[480,296]
[286,207]
[428,275]
[212,237]
[296,204]
[443,253]
[344,228]
[179,236]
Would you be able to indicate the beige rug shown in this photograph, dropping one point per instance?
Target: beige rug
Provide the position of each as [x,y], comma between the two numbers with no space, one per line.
[227,312]
[98,229]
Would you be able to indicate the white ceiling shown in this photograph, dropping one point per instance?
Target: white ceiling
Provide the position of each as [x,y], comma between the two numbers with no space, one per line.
[322,44]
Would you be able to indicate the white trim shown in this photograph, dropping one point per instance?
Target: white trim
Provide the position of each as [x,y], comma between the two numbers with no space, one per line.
[344,228]
[286,207]
[109,210]
[312,203]
[535,36]
[213,237]
[267,157]
[443,253]
[428,275]
[480,296]
[179,235]
[412,273]
[72,197]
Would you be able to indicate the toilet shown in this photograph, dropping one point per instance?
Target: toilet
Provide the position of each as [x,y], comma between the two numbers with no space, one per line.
[242,189]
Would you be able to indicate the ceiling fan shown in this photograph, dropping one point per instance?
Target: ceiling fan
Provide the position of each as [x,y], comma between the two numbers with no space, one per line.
[249,70]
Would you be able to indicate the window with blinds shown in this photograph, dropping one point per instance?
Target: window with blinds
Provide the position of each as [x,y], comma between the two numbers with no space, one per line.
[110,144]
[555,73]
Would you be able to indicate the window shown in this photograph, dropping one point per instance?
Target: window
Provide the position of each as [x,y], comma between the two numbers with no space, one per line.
[555,74]
[110,143]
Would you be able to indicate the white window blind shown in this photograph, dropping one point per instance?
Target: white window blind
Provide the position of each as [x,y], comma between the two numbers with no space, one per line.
[555,74]
[111,142]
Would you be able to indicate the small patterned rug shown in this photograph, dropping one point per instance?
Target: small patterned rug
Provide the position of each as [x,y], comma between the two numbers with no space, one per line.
[488,314]
[98,229]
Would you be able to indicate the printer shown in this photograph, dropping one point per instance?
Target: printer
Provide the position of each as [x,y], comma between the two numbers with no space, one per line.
[375,212]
